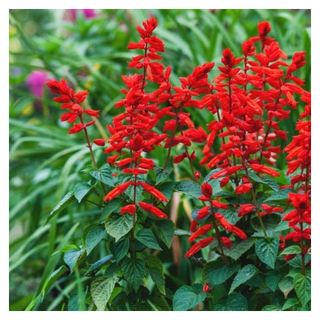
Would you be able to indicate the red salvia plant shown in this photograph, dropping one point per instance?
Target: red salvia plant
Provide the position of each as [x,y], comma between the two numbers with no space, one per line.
[240,201]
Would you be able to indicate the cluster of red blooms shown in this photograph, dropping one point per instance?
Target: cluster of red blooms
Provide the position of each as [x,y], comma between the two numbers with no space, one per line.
[299,157]
[239,97]
[132,131]
[71,101]
[248,90]
[216,217]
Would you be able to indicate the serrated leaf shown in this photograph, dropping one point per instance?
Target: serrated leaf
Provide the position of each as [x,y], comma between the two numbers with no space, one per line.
[243,275]
[296,262]
[280,195]
[146,237]
[187,297]
[104,175]
[164,229]
[270,183]
[272,279]
[190,188]
[267,251]
[161,174]
[270,222]
[73,258]
[65,202]
[81,190]
[121,248]
[291,250]
[286,285]
[167,189]
[133,270]
[119,225]
[94,236]
[180,232]
[238,249]
[99,263]
[302,287]
[155,268]
[218,276]
[101,290]
[111,206]
[53,278]
[254,177]
[237,302]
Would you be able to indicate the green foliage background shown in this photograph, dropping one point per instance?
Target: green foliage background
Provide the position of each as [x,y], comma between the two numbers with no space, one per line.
[91,53]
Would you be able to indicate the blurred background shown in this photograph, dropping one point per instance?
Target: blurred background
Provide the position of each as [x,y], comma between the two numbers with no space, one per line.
[89,48]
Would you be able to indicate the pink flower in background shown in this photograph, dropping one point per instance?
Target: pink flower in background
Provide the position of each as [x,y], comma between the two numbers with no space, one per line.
[88,13]
[36,81]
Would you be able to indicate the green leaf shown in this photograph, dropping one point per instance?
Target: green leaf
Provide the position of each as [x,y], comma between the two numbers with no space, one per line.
[119,225]
[220,275]
[73,302]
[94,236]
[190,188]
[53,278]
[180,232]
[270,307]
[290,303]
[111,206]
[167,189]
[302,287]
[81,190]
[267,251]
[254,177]
[243,275]
[272,279]
[187,297]
[121,248]
[104,175]
[65,202]
[161,174]
[146,237]
[296,262]
[73,258]
[237,302]
[164,229]
[155,268]
[291,250]
[238,249]
[99,263]
[270,183]
[101,290]
[133,270]
[279,195]
[286,285]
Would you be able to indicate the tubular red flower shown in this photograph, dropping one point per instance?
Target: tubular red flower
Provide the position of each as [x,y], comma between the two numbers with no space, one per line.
[117,190]
[206,189]
[130,208]
[100,142]
[200,232]
[152,190]
[152,209]
[264,169]
[223,221]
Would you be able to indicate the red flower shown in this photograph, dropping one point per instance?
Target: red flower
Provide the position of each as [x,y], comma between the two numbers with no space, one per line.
[264,169]
[198,246]
[117,190]
[152,190]
[206,189]
[227,242]
[99,142]
[200,232]
[245,209]
[244,188]
[152,209]
[130,208]
[206,288]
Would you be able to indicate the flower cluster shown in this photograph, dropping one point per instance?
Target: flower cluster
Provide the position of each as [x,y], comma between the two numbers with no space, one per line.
[132,132]
[71,101]
[241,97]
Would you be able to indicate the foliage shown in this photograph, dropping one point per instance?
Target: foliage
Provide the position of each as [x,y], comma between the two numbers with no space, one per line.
[80,241]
